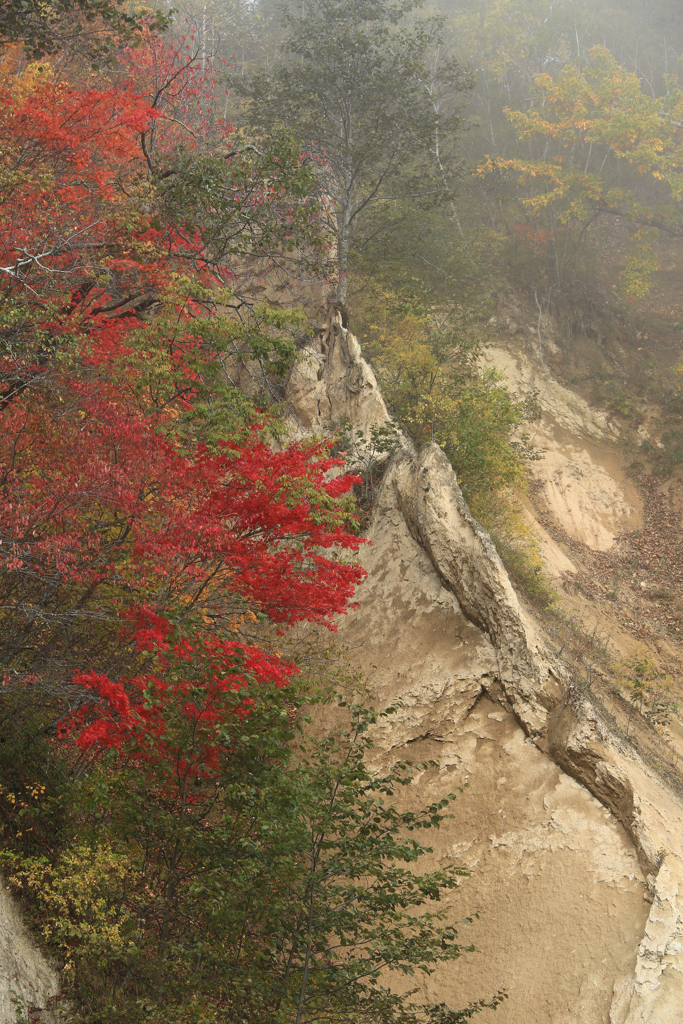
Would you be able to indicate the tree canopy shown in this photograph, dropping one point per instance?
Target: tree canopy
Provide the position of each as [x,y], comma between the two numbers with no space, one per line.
[97,26]
[598,147]
[374,97]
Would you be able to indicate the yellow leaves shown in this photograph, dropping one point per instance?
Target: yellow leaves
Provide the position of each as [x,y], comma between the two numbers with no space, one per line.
[527,171]
[601,103]
[23,81]
[583,121]
[489,166]
[83,896]
[649,689]
[641,264]
[530,123]
[17,804]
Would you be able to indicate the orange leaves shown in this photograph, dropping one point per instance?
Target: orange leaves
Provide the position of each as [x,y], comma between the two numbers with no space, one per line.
[67,158]
[602,103]
[580,125]
[526,170]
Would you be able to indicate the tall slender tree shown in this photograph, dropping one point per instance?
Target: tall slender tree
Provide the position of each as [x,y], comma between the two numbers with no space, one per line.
[374,97]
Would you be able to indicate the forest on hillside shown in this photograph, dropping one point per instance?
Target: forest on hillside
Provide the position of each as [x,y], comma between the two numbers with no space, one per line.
[185,845]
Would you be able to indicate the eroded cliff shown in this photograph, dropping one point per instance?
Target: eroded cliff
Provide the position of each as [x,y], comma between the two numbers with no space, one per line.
[575,842]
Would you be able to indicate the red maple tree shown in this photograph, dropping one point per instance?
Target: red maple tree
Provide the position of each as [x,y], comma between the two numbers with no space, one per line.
[130,546]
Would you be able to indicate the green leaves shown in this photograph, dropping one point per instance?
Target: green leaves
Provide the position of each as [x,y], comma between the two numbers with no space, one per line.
[288,889]
[367,454]
[47,28]
[427,365]
[213,371]
[372,99]
[341,893]
[250,202]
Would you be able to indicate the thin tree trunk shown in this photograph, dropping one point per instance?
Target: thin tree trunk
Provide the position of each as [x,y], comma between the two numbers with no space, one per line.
[343,250]
[307,961]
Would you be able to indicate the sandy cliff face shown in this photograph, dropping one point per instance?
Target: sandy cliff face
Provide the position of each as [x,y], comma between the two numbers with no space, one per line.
[580,479]
[574,842]
[555,879]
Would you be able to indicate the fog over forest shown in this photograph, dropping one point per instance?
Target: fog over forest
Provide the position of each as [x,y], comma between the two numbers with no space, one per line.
[341,505]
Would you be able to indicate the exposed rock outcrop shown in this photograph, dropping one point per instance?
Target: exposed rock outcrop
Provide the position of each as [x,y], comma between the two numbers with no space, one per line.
[555,880]
[331,384]
[463,555]
[27,981]
[575,845]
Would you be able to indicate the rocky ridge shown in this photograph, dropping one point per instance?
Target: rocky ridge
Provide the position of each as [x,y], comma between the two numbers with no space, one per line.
[434,575]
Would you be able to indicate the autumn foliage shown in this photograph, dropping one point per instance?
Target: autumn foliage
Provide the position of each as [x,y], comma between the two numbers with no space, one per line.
[186,852]
[595,146]
[133,541]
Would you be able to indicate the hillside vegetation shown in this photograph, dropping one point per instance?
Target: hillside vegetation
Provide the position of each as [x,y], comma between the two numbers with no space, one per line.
[184,195]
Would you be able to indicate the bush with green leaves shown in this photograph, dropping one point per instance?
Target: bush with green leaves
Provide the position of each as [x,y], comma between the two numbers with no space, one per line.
[366,453]
[285,891]
[428,364]
[428,361]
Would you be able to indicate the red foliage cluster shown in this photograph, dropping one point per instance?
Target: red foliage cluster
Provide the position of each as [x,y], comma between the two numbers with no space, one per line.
[104,478]
[66,155]
[175,724]
[107,509]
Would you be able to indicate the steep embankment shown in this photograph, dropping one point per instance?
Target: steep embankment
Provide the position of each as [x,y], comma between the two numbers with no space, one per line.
[574,839]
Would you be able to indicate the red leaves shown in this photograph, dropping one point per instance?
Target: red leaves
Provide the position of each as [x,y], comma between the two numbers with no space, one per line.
[104,472]
[110,506]
[341,485]
[173,719]
[115,524]
[66,153]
